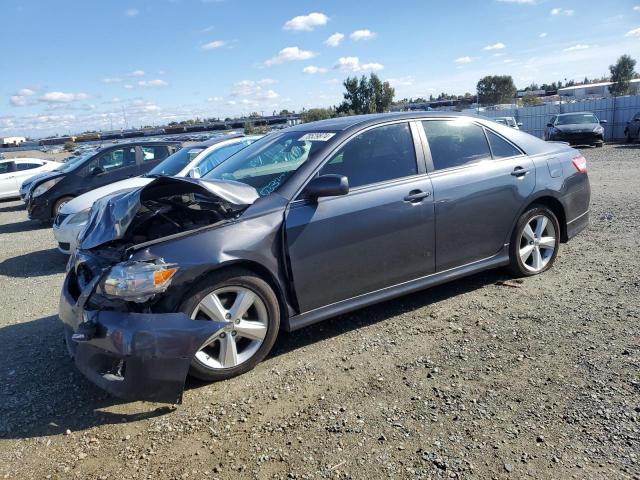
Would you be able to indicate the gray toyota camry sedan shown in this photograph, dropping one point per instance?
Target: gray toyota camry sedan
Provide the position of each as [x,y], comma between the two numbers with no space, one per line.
[198,276]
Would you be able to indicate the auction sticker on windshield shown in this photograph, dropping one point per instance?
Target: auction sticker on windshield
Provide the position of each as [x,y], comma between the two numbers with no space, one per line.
[316,137]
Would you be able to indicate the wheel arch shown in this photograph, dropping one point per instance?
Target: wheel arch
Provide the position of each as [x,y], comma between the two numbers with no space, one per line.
[55,202]
[553,204]
[260,271]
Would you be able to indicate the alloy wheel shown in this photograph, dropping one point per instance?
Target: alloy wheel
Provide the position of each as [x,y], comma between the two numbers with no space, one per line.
[537,243]
[247,322]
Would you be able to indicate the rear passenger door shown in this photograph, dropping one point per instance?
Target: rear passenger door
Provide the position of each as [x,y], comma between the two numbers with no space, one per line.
[379,234]
[8,184]
[480,183]
[152,155]
[111,166]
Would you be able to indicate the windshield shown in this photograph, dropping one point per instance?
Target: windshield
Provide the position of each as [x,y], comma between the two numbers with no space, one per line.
[219,155]
[74,162]
[576,119]
[268,163]
[173,164]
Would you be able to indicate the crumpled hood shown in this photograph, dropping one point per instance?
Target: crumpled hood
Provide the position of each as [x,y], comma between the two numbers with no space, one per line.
[112,215]
[42,177]
[577,127]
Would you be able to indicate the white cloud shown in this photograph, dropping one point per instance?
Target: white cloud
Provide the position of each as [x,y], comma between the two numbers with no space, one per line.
[18,100]
[213,45]
[26,92]
[542,35]
[128,86]
[363,34]
[253,91]
[636,8]
[131,12]
[463,60]
[560,11]
[352,64]
[111,80]
[306,22]
[407,81]
[214,99]
[289,54]
[578,46]
[334,40]
[152,83]
[312,69]
[635,33]
[521,2]
[495,46]
[61,97]
[136,73]
[267,81]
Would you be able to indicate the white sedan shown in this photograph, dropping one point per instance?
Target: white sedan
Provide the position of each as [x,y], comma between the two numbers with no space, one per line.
[14,171]
[190,161]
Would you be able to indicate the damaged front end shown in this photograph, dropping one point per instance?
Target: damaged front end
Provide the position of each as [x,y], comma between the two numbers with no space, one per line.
[118,337]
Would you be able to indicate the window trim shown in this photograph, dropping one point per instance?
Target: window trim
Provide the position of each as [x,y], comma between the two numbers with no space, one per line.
[427,148]
[418,149]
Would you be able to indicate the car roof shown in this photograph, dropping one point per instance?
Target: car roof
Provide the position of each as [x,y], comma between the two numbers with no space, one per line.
[134,144]
[214,141]
[344,123]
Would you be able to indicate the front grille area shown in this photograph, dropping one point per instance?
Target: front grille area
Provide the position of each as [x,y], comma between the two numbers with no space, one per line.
[64,246]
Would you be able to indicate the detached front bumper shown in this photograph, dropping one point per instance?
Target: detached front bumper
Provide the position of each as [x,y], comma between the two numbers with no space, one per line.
[133,356]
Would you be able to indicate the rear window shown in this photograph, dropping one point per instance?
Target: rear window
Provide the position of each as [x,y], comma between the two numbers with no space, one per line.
[500,147]
[576,119]
[455,142]
[28,166]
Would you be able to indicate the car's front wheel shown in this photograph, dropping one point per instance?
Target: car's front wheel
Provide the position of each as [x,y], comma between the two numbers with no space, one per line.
[249,308]
[534,242]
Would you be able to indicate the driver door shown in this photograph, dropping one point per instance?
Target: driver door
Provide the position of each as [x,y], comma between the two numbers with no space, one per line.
[378,235]
[111,166]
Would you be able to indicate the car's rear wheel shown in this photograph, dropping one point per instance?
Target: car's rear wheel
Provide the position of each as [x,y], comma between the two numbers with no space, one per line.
[59,204]
[534,242]
[249,308]
[599,144]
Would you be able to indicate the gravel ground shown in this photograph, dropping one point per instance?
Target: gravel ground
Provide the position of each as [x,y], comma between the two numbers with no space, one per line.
[474,379]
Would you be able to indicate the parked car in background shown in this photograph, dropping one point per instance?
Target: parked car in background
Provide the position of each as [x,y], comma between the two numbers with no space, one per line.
[632,129]
[13,172]
[94,169]
[319,219]
[191,161]
[509,122]
[578,128]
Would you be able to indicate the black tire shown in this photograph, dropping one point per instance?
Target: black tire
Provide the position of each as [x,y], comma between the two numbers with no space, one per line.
[627,136]
[246,279]
[516,265]
[58,205]
[599,145]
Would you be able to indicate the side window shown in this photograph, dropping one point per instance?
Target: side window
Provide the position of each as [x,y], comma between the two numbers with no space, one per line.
[454,143]
[218,156]
[377,155]
[27,166]
[115,159]
[154,153]
[500,147]
[6,167]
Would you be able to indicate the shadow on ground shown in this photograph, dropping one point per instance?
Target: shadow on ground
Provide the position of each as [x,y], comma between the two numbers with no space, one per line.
[24,226]
[34,264]
[628,146]
[41,392]
[11,206]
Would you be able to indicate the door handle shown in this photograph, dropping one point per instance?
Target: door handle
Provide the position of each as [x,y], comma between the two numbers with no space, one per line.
[519,172]
[416,196]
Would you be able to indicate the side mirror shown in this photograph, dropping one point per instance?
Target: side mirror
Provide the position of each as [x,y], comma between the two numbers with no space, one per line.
[327,186]
[195,172]
[550,125]
[97,170]
[636,119]
[602,122]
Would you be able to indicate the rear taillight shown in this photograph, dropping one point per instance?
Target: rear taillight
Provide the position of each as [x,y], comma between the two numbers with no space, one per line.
[580,163]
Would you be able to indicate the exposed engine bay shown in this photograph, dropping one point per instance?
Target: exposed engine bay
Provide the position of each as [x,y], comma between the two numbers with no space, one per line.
[165,207]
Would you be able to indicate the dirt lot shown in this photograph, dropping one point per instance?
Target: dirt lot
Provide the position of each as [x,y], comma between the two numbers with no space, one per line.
[469,380]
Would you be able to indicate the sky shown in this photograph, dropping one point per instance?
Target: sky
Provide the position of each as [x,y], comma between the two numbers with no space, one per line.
[76,65]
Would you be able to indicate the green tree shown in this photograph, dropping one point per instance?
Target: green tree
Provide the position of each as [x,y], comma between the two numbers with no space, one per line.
[315,114]
[621,73]
[531,101]
[366,95]
[494,89]
[69,146]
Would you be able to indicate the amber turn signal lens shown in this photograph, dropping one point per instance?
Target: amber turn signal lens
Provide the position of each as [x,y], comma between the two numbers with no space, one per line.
[163,276]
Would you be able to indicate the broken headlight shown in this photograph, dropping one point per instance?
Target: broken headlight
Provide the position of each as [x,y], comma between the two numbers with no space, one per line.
[137,281]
